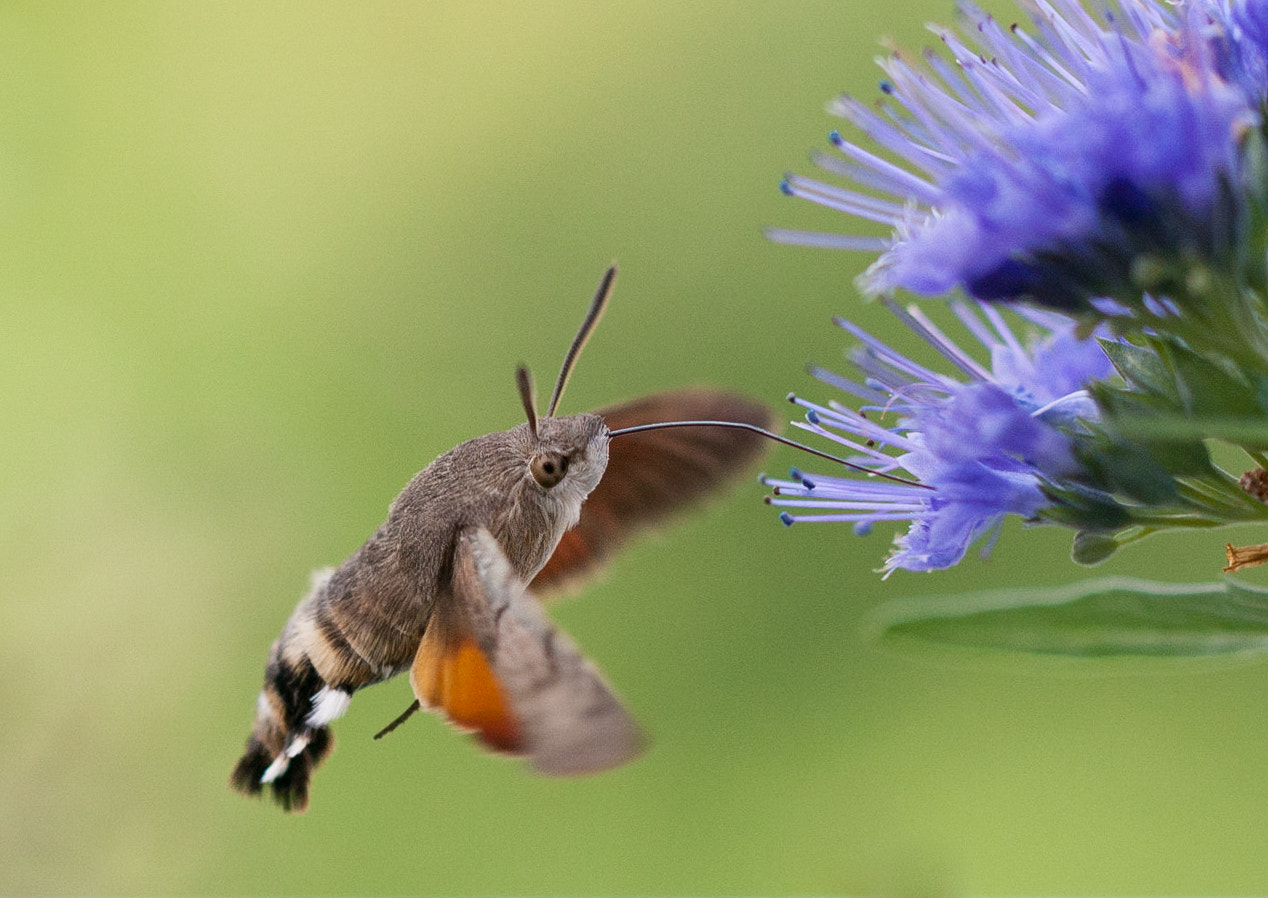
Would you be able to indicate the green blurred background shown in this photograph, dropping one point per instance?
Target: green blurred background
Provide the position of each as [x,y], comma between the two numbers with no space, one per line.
[262,263]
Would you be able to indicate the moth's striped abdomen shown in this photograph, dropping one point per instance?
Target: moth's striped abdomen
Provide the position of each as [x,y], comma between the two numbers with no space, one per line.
[311,674]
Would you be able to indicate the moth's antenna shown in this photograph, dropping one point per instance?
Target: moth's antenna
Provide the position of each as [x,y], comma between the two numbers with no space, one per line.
[640,428]
[524,380]
[597,305]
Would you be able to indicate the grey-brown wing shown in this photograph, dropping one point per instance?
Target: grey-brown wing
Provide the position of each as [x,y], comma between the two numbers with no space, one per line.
[496,664]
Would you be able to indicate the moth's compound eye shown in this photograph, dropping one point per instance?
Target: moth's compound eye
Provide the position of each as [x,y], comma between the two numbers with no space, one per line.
[549,468]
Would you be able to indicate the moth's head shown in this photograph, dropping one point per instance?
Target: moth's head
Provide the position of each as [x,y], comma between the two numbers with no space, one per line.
[569,453]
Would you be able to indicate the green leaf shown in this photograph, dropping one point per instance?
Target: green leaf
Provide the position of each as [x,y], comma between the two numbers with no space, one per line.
[1128,468]
[1210,390]
[1141,368]
[1083,508]
[1116,401]
[1164,377]
[1110,617]
[1182,458]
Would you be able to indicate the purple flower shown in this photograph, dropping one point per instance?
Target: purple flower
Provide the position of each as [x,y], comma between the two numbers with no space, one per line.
[1045,163]
[967,450]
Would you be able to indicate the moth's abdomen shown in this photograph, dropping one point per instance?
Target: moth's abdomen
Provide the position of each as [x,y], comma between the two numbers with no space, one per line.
[311,674]
[288,741]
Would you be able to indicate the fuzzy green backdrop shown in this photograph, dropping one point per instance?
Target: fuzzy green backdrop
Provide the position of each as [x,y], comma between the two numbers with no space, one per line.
[260,263]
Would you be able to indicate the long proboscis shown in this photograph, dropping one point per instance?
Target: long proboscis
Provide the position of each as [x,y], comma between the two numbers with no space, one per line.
[740,425]
[597,305]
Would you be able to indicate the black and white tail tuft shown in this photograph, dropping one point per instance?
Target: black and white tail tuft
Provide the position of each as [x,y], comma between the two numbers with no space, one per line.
[291,734]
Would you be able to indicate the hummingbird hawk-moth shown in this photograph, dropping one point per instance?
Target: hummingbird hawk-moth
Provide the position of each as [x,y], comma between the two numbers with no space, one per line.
[447,588]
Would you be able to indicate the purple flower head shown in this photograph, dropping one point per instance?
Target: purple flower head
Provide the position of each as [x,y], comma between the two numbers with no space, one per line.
[968,450]
[1246,51]
[1044,162]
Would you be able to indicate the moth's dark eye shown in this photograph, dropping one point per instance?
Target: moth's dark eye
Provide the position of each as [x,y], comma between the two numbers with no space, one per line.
[548,469]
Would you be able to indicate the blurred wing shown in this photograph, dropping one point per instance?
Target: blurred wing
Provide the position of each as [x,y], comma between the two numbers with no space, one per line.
[652,474]
[452,675]
[493,663]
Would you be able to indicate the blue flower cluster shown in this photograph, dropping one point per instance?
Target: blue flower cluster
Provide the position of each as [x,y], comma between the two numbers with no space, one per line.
[1040,165]
[979,448]
[1102,170]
